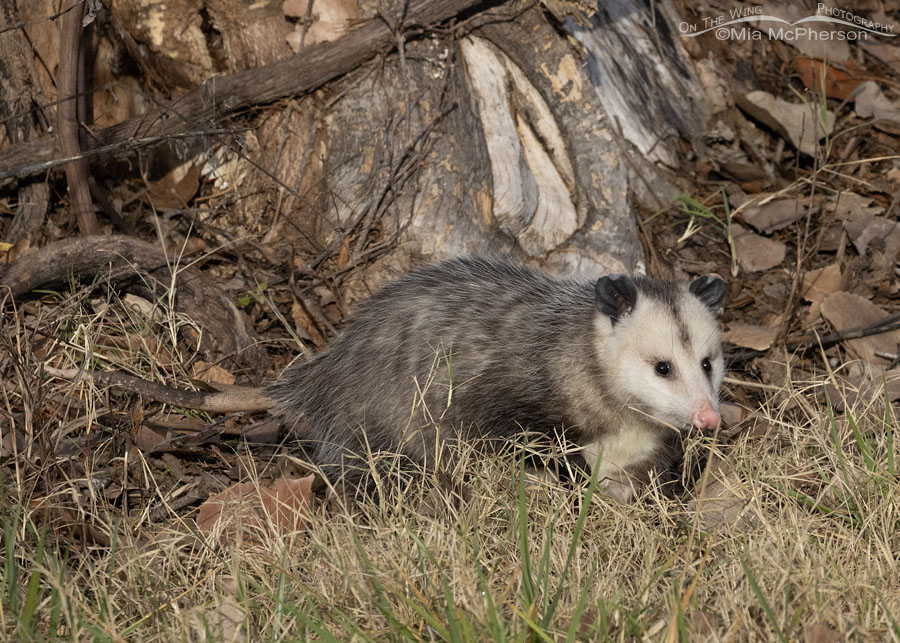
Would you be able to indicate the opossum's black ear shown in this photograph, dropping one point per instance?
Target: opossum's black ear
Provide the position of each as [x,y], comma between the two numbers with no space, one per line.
[616,296]
[710,289]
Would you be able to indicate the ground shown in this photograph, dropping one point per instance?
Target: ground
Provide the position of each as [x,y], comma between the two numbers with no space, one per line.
[790,530]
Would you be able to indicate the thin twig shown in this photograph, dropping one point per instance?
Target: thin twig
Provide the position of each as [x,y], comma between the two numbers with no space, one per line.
[885,325]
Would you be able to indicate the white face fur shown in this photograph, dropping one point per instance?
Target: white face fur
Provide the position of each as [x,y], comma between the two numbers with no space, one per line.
[666,362]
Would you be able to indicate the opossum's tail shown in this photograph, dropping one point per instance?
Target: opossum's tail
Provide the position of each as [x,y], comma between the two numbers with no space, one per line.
[247,399]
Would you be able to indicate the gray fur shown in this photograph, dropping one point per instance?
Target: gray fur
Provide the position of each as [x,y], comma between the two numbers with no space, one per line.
[494,347]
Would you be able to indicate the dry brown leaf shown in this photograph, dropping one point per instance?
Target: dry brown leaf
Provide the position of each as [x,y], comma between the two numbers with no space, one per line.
[849,205]
[846,390]
[704,624]
[839,81]
[756,253]
[250,512]
[224,623]
[206,372]
[862,231]
[12,443]
[821,42]
[870,102]
[16,250]
[732,414]
[888,54]
[64,519]
[330,20]
[303,322]
[195,244]
[146,439]
[821,633]
[344,254]
[802,125]
[774,215]
[174,422]
[758,338]
[265,432]
[587,621]
[176,189]
[819,283]
[845,310]
[724,501]
[294,8]
[145,309]
[762,429]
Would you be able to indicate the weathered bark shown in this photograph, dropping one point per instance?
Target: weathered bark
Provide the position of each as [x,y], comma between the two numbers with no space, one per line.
[33,200]
[20,112]
[526,157]
[19,88]
[498,137]
[642,75]
[199,111]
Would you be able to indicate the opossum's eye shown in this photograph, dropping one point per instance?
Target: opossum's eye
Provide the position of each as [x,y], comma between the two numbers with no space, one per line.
[706,365]
[663,369]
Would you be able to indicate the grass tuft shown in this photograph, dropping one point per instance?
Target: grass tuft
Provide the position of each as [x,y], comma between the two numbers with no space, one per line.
[96,546]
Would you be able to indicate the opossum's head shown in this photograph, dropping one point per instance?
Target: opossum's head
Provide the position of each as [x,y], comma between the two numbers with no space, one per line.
[661,346]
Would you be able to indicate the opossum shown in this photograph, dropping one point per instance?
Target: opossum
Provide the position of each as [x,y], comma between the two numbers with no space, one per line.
[484,350]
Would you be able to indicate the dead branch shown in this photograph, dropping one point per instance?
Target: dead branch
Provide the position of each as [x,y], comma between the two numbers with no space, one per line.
[226,330]
[204,106]
[67,119]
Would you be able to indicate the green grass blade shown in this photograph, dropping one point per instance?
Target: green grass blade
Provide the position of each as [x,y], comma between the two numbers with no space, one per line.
[889,426]
[839,450]
[10,567]
[864,447]
[55,608]
[762,601]
[278,611]
[573,545]
[575,622]
[680,620]
[544,576]
[533,627]
[895,626]
[851,520]
[455,627]
[524,540]
[498,632]
[32,593]
[382,603]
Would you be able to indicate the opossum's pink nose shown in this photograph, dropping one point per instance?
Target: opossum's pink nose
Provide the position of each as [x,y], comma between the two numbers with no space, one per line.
[706,417]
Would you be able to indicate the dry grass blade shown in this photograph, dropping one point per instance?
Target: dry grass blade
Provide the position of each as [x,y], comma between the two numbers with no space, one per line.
[100,543]
[825,496]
